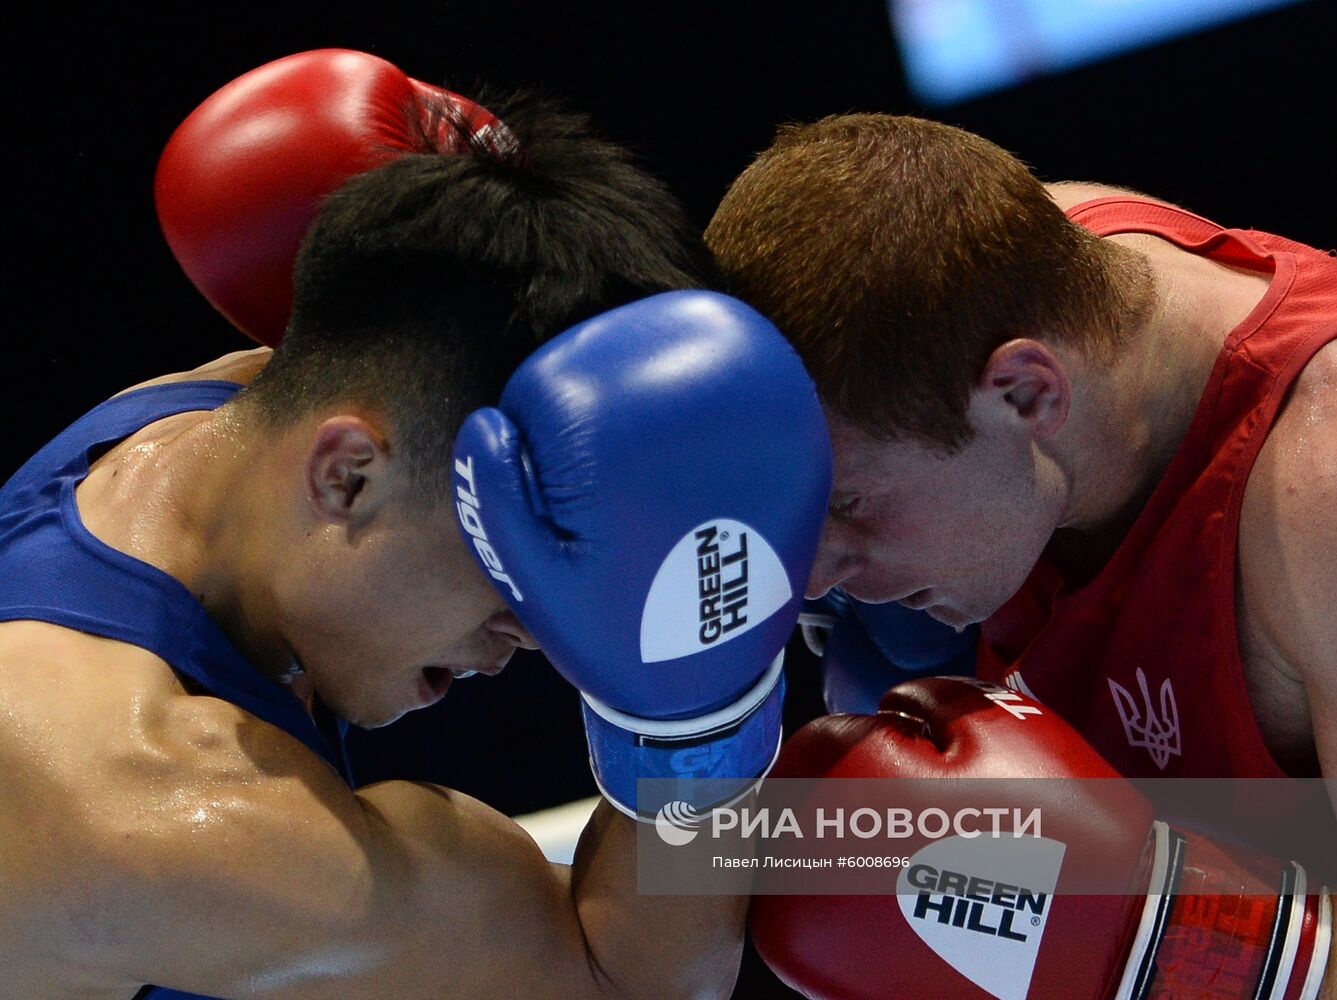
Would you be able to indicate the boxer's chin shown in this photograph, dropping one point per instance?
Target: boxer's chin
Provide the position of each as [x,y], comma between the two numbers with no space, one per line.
[389,705]
[952,616]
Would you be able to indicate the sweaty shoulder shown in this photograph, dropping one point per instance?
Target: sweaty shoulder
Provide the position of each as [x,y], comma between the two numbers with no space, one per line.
[1069,194]
[239,367]
[155,836]
[1288,550]
[122,796]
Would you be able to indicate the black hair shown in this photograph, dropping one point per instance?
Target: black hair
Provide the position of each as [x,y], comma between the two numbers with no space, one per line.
[424,283]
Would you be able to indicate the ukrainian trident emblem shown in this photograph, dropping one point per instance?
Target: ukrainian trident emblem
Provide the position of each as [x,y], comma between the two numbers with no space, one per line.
[1157,734]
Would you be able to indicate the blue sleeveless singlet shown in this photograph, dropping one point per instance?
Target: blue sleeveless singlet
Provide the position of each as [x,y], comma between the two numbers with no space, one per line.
[52,569]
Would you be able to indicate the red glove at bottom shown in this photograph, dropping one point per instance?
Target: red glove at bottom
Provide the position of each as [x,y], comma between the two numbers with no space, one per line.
[1197,921]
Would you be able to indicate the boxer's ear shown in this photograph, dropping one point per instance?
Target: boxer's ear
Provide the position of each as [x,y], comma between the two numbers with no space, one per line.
[349,475]
[1026,384]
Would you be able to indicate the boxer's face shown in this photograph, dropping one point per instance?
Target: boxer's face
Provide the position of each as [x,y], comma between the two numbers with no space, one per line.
[955,536]
[391,610]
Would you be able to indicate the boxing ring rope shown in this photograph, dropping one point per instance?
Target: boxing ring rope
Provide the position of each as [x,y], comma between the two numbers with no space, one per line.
[556,830]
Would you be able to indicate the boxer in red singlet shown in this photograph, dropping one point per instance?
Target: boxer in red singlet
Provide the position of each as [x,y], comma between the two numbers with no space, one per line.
[1101,425]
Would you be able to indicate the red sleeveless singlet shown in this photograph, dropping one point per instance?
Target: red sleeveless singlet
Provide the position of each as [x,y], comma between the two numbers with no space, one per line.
[1144,660]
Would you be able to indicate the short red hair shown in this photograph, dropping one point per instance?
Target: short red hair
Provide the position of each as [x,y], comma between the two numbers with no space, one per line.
[898,253]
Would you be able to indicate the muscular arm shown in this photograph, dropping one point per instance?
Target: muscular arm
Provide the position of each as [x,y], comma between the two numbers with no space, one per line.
[1288,576]
[1288,555]
[184,843]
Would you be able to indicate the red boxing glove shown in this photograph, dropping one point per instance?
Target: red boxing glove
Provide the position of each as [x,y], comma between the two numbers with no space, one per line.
[1197,922]
[242,178]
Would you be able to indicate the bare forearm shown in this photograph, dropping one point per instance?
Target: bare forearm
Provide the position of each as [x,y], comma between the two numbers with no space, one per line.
[650,945]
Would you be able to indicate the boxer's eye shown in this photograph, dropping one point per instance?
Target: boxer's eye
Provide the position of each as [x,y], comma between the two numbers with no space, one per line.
[843,507]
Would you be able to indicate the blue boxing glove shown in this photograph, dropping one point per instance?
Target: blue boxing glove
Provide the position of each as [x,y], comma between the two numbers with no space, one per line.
[648,496]
[867,648]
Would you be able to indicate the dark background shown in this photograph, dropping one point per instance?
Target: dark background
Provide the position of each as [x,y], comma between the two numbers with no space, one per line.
[1235,123]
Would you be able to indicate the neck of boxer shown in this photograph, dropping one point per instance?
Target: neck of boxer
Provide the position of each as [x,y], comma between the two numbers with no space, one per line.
[184,494]
[1128,420]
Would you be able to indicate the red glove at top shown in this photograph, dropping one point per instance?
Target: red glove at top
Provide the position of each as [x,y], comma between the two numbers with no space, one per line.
[241,179]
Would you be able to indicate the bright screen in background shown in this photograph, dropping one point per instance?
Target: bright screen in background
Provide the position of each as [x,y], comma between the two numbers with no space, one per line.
[955,49]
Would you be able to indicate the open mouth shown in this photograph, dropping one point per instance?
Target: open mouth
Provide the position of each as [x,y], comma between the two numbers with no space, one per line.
[436,681]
